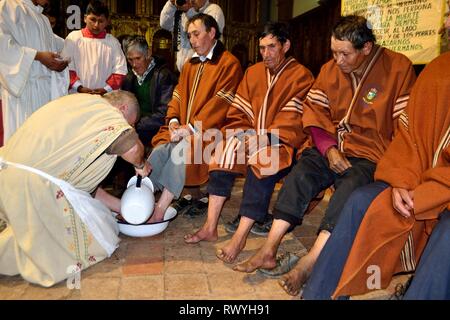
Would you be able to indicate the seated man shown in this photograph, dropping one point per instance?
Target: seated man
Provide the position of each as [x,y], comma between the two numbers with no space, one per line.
[410,197]
[97,63]
[200,102]
[351,112]
[258,130]
[152,83]
[47,170]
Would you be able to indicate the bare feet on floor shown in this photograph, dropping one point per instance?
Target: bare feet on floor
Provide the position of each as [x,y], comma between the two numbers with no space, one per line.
[200,235]
[294,280]
[229,253]
[259,260]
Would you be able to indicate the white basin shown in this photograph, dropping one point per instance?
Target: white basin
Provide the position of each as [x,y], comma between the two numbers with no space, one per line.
[148,229]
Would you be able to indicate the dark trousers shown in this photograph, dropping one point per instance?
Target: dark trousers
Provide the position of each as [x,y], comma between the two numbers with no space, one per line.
[256,192]
[432,277]
[309,177]
[330,264]
[146,133]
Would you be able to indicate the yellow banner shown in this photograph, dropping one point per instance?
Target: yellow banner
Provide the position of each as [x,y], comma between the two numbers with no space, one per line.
[407,26]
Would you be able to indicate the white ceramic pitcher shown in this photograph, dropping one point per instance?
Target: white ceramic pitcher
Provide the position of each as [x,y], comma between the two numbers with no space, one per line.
[138,200]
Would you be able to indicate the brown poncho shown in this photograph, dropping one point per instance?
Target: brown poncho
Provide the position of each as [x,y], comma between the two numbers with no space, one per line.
[268,104]
[361,109]
[203,95]
[418,159]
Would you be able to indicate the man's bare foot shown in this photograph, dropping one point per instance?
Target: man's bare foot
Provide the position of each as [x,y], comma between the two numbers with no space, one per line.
[200,235]
[230,252]
[156,217]
[294,280]
[259,260]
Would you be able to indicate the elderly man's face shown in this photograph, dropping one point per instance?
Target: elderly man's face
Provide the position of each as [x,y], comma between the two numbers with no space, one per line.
[347,58]
[272,51]
[138,61]
[201,40]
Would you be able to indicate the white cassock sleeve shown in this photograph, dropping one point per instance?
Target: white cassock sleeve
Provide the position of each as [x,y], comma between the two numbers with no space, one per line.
[68,50]
[15,63]
[166,18]
[120,63]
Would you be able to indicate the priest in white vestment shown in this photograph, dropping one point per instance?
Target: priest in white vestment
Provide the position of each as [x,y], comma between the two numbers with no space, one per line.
[48,171]
[31,71]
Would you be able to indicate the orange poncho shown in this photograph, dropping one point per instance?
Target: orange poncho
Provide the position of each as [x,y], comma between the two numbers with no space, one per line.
[203,95]
[267,104]
[418,159]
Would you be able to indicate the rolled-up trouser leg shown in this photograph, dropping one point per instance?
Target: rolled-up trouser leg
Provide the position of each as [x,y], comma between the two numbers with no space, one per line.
[257,194]
[221,183]
[360,174]
[308,177]
[432,276]
[169,169]
[328,268]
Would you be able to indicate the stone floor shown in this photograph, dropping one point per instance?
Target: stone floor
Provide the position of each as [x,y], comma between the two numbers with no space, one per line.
[163,267]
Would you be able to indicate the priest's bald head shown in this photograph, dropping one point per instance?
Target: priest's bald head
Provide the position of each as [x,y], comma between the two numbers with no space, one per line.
[126,102]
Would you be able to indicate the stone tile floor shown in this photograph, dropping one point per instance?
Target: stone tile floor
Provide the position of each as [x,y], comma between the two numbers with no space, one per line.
[163,267]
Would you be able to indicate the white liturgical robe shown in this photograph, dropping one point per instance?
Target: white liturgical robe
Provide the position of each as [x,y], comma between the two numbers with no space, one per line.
[26,84]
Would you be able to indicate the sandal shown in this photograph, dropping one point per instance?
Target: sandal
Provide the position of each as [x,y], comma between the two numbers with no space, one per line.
[285,263]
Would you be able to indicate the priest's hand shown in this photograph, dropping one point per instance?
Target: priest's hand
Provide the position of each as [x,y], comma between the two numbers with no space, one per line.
[337,161]
[403,201]
[51,60]
[143,170]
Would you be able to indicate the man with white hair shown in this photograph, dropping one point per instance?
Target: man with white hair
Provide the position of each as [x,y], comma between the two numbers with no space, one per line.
[152,82]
